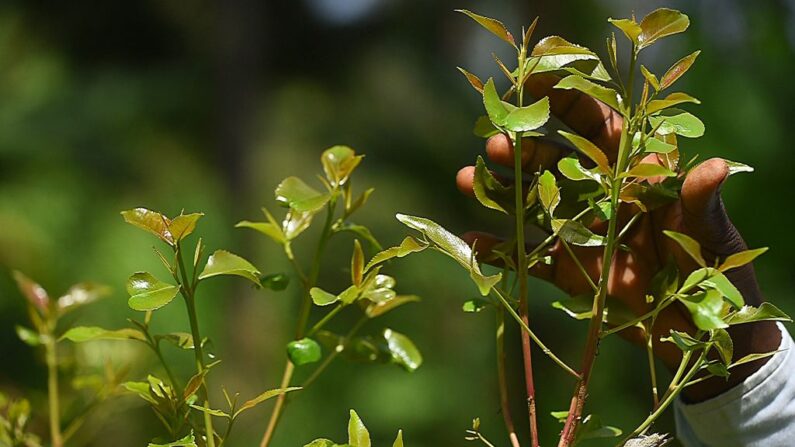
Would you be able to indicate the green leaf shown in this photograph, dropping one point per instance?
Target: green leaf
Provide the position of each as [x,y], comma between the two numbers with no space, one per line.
[322,298]
[399,440]
[270,394]
[303,351]
[361,231]
[408,246]
[706,308]
[661,23]
[275,281]
[650,77]
[722,284]
[492,25]
[678,69]
[80,295]
[736,167]
[718,369]
[524,119]
[678,122]
[592,428]
[271,230]
[182,340]
[555,53]
[149,293]
[32,291]
[486,186]
[484,128]
[357,263]
[647,170]
[556,45]
[81,334]
[723,343]
[210,411]
[454,247]
[670,101]
[596,91]
[754,357]
[548,192]
[740,259]
[325,443]
[576,233]
[358,436]
[150,221]
[474,81]
[403,350]
[28,336]
[338,164]
[750,314]
[590,150]
[475,305]
[299,196]
[629,27]
[223,262]
[654,145]
[495,107]
[571,168]
[579,307]
[684,341]
[665,282]
[689,245]
[376,309]
[183,225]
[187,441]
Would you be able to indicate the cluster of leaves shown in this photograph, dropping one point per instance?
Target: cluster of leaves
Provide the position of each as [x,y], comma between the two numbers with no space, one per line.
[14,419]
[358,436]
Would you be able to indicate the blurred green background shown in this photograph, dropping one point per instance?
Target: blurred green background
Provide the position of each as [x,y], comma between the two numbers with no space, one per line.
[206,106]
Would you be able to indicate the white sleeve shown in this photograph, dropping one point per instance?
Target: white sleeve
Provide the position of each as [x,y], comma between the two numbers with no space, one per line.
[760,412]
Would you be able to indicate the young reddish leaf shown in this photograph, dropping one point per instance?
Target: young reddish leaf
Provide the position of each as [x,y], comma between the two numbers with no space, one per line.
[150,221]
[661,23]
[740,259]
[494,26]
[357,263]
[474,81]
[183,225]
[556,45]
[590,150]
[33,292]
[689,245]
[678,69]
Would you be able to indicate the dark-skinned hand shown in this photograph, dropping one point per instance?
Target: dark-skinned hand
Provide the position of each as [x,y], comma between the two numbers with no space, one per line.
[699,213]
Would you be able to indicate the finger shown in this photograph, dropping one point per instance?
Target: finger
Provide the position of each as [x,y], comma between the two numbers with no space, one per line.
[465,181]
[537,153]
[588,117]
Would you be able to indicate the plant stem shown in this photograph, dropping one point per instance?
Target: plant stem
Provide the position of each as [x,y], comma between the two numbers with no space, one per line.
[341,347]
[579,265]
[533,336]
[652,370]
[187,292]
[52,385]
[504,401]
[303,319]
[319,325]
[521,267]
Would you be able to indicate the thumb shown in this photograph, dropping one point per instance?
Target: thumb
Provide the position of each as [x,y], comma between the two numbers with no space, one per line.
[705,218]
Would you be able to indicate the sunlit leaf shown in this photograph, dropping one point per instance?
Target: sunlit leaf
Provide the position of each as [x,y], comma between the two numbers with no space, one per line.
[81,334]
[494,26]
[486,186]
[474,81]
[376,309]
[548,192]
[576,233]
[722,284]
[187,441]
[592,428]
[403,350]
[399,440]
[740,259]
[357,263]
[338,164]
[454,247]
[408,246]
[270,394]
[32,291]
[303,351]
[590,150]
[689,245]
[495,107]
[358,436]
[211,411]
[571,168]
[28,336]
[750,314]
[322,298]
[650,77]
[678,69]
[297,195]
[182,340]
[325,443]
[706,309]
[671,100]
[754,357]
[661,23]
[523,119]
[684,341]
[736,167]
[475,305]
[81,294]
[149,293]
[223,262]
[150,221]
[556,45]
[596,91]
[629,27]
[677,121]
[183,225]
